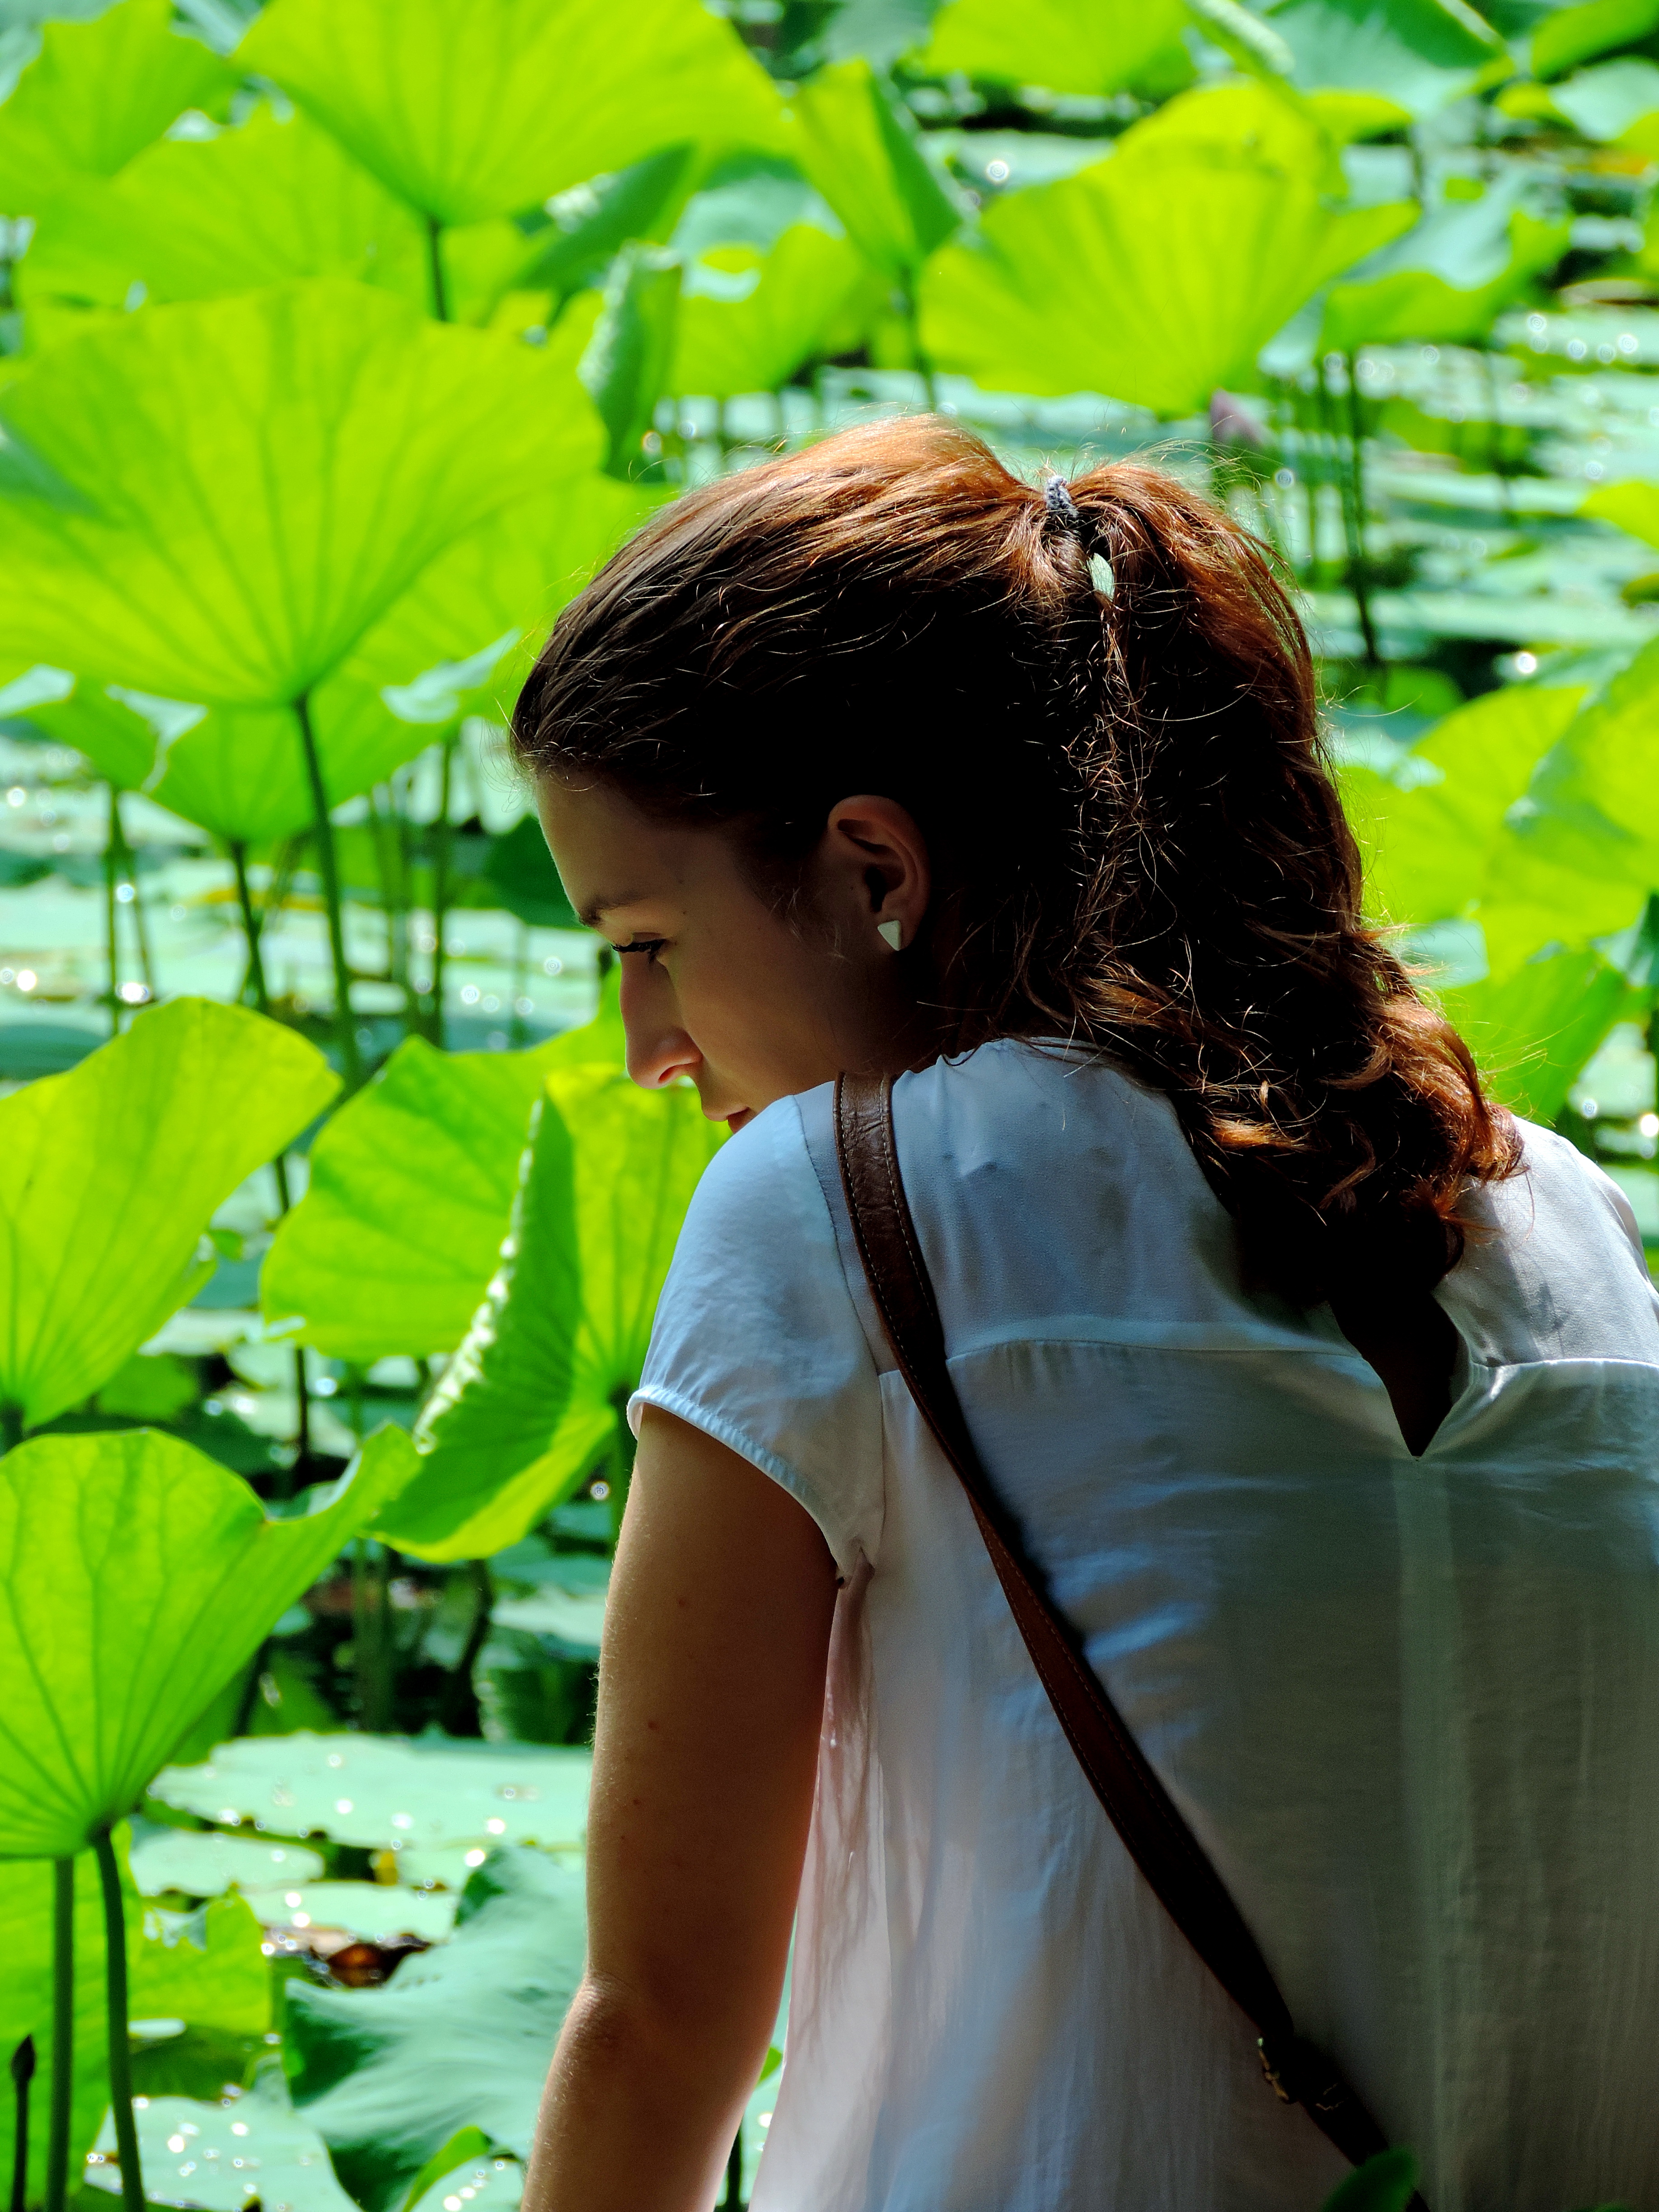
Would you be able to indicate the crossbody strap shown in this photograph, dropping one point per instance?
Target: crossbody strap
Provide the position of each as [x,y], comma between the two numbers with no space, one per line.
[1137,1804]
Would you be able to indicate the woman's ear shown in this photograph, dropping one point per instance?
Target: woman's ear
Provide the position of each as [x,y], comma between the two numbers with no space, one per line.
[876,861]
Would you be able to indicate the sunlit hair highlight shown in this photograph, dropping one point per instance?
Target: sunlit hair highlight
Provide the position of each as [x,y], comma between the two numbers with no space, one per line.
[1137,841]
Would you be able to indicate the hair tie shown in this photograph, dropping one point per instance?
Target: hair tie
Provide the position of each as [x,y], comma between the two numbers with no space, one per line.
[1061,506]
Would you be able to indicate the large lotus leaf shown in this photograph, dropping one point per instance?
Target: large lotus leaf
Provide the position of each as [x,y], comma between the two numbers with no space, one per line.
[1584,849]
[1088,46]
[191,218]
[411,1187]
[1632,507]
[1433,830]
[509,1387]
[206,1968]
[95,94]
[108,1176]
[242,488]
[1267,120]
[461,2037]
[1155,277]
[748,320]
[1448,279]
[1418,53]
[200,2152]
[1611,100]
[136,1576]
[485,110]
[1534,1031]
[385,1793]
[1571,35]
[239,772]
[627,366]
[860,151]
[520,1417]
[202,1862]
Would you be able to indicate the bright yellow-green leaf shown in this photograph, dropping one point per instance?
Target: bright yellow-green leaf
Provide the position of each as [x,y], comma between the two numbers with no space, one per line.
[191,218]
[1632,507]
[1154,276]
[1432,841]
[1423,303]
[486,109]
[206,1968]
[1089,46]
[135,1577]
[749,320]
[1569,36]
[239,489]
[1533,1031]
[1420,54]
[520,1417]
[109,1175]
[860,152]
[95,94]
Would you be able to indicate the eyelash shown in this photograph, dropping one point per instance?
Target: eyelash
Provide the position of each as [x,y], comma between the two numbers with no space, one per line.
[651,946]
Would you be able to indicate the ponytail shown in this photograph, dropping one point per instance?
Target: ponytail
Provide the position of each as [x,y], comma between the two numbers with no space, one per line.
[1098,703]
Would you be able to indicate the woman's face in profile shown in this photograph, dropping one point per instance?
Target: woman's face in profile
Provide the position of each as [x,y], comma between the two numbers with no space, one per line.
[717,986]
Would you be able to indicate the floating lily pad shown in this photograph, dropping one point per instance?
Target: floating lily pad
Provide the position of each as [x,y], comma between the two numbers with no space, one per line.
[373,1911]
[576,1619]
[388,1792]
[201,1862]
[491,2184]
[461,2037]
[223,2156]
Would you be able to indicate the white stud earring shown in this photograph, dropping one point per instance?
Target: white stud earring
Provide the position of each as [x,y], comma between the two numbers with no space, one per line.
[891,934]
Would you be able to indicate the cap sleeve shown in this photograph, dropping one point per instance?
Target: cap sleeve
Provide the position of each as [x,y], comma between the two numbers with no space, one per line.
[758,1340]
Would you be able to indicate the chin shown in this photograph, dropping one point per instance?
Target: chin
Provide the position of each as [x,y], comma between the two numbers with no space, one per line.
[735,1122]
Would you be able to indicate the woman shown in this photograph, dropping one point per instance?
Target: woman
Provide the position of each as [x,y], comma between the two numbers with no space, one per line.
[1323,1394]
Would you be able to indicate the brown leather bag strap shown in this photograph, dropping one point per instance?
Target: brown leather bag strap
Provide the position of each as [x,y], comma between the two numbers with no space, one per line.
[1136,1802]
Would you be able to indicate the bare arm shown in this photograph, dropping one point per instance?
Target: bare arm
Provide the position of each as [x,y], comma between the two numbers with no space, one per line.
[711,1688]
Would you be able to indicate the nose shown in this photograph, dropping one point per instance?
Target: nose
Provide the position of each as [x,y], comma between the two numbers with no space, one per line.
[659,1049]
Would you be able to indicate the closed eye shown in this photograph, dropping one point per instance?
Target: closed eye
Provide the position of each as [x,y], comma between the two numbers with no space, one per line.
[649,945]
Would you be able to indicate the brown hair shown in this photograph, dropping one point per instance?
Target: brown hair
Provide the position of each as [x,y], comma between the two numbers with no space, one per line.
[1137,841]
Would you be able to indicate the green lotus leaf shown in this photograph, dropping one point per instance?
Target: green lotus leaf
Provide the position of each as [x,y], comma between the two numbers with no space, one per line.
[206,1968]
[860,150]
[95,94]
[420,1800]
[1571,35]
[1448,280]
[460,2038]
[204,1863]
[749,320]
[1431,843]
[628,365]
[109,1175]
[191,218]
[1631,507]
[487,110]
[1155,277]
[197,2151]
[138,1576]
[1535,1031]
[411,1187]
[1382,2184]
[535,1396]
[242,488]
[1088,46]
[1421,54]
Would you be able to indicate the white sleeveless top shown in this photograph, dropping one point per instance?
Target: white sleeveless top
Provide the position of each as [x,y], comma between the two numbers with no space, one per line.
[1411,1707]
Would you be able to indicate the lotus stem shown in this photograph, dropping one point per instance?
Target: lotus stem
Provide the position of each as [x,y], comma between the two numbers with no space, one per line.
[434,264]
[11,1427]
[391,861]
[120,2059]
[440,844]
[251,927]
[345,1026]
[62,2033]
[459,1707]
[22,2073]
[112,946]
[924,366]
[127,865]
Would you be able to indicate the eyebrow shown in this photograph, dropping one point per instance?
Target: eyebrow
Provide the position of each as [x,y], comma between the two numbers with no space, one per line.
[607,902]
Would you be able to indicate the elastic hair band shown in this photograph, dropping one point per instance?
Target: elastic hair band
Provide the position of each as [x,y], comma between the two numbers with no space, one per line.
[1062,507]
